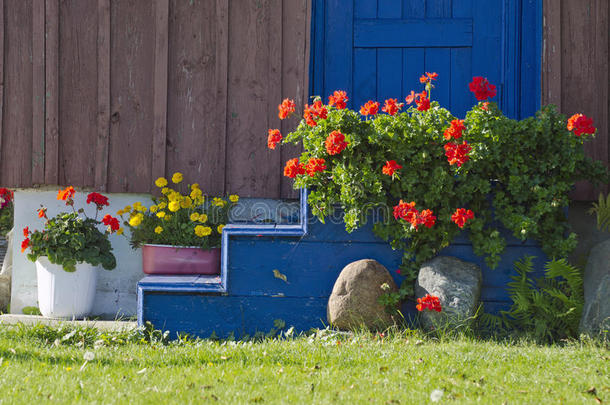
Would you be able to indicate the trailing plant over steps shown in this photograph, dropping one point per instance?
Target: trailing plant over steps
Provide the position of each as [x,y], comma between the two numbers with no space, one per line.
[432,175]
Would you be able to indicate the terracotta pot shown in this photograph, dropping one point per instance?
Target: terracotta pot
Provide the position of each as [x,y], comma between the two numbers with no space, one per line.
[165,259]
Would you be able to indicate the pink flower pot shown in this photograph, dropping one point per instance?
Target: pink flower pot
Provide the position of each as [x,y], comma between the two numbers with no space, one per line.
[165,259]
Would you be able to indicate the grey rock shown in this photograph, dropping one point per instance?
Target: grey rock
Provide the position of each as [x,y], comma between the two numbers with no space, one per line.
[354,303]
[596,311]
[456,283]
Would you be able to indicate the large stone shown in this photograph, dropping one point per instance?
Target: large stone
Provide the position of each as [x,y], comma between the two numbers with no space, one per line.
[456,283]
[596,311]
[354,301]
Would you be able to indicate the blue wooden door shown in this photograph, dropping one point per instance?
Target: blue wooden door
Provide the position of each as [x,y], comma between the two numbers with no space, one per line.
[378,49]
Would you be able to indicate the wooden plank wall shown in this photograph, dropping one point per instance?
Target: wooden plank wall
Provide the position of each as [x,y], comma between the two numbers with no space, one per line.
[110,94]
[575,69]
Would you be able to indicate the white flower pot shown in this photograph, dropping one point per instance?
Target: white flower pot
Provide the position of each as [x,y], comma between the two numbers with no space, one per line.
[62,294]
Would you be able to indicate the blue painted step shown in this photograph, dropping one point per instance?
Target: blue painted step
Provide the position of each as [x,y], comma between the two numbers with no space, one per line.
[248,296]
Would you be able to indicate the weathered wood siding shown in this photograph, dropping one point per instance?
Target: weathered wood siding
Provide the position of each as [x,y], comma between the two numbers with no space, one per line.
[111,94]
[575,69]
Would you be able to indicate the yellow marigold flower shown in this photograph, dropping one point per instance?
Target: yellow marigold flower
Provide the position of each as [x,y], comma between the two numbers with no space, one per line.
[177,177]
[161,182]
[194,216]
[196,193]
[195,186]
[120,231]
[202,231]
[203,218]
[234,198]
[120,212]
[159,229]
[168,217]
[165,190]
[127,208]
[153,208]
[219,202]
[220,228]
[136,220]
[186,202]
[162,205]
[174,206]
[161,214]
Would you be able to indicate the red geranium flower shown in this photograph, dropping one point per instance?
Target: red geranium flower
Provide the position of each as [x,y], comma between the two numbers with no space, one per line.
[42,213]
[461,215]
[455,130]
[423,102]
[97,199]
[338,99]
[66,194]
[6,196]
[581,124]
[335,143]
[316,110]
[112,222]
[481,88]
[390,167]
[426,218]
[430,302]
[391,106]
[274,138]
[428,77]
[457,154]
[411,97]
[26,231]
[286,108]
[315,165]
[293,168]
[25,244]
[370,108]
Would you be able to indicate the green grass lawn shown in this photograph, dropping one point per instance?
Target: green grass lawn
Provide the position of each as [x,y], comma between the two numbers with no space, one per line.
[83,365]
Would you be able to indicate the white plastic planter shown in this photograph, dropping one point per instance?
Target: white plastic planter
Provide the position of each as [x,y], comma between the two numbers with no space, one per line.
[62,294]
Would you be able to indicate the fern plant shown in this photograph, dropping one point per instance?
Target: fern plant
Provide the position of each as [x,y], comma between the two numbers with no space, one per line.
[602,210]
[548,308]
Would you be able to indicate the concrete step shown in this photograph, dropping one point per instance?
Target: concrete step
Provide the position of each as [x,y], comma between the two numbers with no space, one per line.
[112,326]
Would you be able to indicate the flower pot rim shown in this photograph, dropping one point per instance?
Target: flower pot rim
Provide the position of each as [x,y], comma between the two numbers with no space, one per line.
[178,247]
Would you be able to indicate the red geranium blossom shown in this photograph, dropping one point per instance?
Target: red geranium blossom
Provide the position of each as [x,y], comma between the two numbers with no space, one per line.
[581,124]
[42,213]
[370,108]
[112,222]
[428,77]
[293,168]
[391,106]
[390,167]
[6,196]
[455,130]
[426,218]
[97,199]
[338,99]
[481,88]
[457,154]
[66,195]
[461,215]
[286,108]
[315,165]
[423,102]
[26,231]
[430,302]
[421,99]
[25,244]
[274,138]
[335,143]
[314,111]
